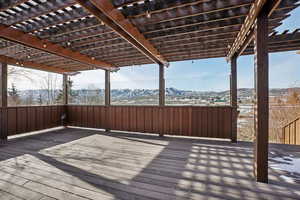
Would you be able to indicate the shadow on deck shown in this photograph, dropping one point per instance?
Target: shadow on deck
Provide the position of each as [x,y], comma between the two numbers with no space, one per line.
[88,164]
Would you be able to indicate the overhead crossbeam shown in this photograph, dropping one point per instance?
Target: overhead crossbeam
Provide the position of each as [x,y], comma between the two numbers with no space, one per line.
[112,17]
[245,36]
[44,45]
[33,65]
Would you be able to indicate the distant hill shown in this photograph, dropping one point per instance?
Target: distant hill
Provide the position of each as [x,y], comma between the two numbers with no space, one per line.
[133,93]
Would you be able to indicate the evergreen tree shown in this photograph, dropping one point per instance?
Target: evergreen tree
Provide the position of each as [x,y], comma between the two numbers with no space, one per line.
[40,99]
[72,93]
[60,96]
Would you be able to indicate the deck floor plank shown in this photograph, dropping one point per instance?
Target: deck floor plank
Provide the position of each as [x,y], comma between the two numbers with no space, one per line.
[84,164]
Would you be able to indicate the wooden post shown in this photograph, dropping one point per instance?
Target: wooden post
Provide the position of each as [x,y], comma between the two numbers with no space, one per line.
[3,102]
[65,99]
[65,90]
[261,122]
[233,98]
[107,88]
[162,90]
[107,97]
[161,85]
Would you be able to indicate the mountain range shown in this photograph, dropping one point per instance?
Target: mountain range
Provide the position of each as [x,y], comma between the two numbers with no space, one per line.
[133,93]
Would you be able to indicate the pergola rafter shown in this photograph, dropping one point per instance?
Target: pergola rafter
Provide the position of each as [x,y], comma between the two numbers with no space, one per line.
[113,18]
[31,41]
[246,33]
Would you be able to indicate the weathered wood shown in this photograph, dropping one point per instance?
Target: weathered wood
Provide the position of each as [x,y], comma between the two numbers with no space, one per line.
[112,17]
[245,35]
[233,97]
[65,99]
[33,65]
[45,45]
[3,101]
[107,99]
[3,85]
[212,122]
[289,136]
[77,164]
[65,90]
[162,86]
[262,97]
[162,89]
[24,119]
[107,88]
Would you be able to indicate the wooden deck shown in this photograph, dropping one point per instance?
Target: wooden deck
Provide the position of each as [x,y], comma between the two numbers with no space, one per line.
[78,164]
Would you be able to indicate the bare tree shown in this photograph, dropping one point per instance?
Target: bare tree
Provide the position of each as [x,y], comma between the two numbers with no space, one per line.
[18,73]
[50,83]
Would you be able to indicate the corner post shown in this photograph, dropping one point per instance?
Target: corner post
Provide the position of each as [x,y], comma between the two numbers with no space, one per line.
[261,118]
[65,99]
[107,98]
[233,98]
[3,102]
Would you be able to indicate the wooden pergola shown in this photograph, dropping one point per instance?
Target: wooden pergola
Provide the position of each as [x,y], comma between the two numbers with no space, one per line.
[74,35]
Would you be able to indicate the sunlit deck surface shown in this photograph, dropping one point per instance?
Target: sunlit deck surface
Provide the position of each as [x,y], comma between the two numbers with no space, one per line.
[87,164]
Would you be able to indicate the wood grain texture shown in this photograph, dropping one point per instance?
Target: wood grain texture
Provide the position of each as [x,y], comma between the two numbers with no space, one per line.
[262,98]
[291,133]
[18,120]
[81,164]
[214,122]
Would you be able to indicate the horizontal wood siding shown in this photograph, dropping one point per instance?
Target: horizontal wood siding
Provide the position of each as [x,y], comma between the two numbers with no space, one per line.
[214,122]
[291,132]
[18,120]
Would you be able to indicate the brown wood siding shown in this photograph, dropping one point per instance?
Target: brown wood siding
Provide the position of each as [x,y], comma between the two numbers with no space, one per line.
[32,118]
[214,122]
[291,133]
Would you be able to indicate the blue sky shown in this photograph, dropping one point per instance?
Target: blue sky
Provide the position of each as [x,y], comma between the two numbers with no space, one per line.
[202,75]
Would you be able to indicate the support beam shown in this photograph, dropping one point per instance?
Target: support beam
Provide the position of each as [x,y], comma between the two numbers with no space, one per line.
[65,90]
[113,17]
[162,89]
[261,120]
[32,65]
[46,46]
[107,96]
[65,99]
[3,103]
[161,85]
[233,98]
[244,37]
[107,88]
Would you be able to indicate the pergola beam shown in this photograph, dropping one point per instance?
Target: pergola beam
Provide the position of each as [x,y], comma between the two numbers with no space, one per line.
[112,17]
[29,64]
[44,45]
[245,36]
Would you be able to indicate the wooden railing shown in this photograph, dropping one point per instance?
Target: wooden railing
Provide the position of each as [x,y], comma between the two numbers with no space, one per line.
[291,132]
[17,120]
[214,122]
